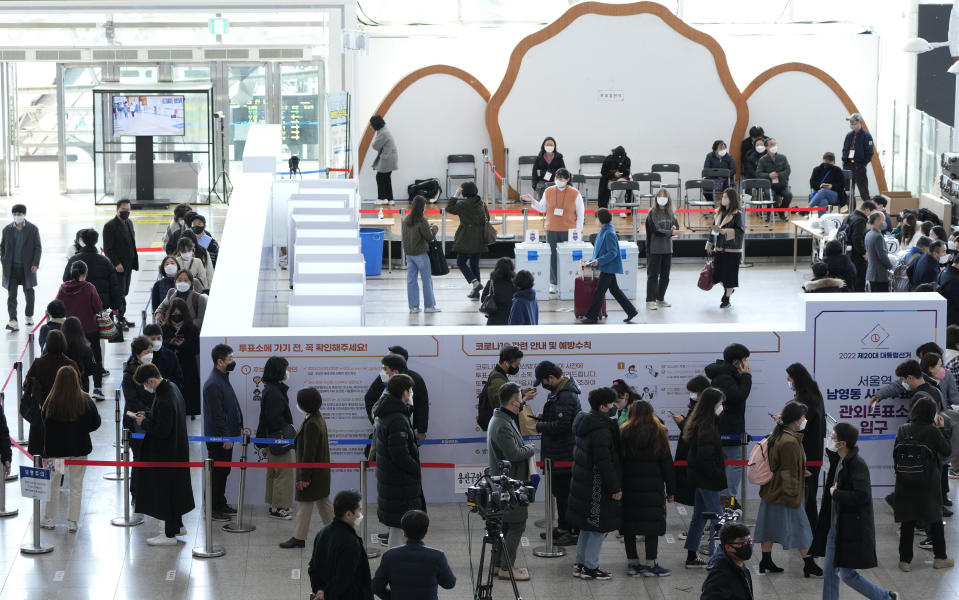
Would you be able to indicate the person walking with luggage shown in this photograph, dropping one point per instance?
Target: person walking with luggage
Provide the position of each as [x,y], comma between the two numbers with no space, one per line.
[564,209]
[386,160]
[725,244]
[705,470]
[20,252]
[276,421]
[918,448]
[417,234]
[661,228]
[469,241]
[607,259]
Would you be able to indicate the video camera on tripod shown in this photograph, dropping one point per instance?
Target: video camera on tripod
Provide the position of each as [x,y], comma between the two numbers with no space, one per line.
[492,495]
[729,515]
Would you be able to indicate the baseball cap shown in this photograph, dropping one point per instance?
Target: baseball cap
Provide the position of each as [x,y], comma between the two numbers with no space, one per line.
[544,370]
[854,117]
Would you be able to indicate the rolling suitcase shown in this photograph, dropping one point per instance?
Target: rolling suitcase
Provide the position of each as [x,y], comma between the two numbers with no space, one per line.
[583,292]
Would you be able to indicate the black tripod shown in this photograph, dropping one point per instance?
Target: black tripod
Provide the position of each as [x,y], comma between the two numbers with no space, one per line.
[494,540]
[223,179]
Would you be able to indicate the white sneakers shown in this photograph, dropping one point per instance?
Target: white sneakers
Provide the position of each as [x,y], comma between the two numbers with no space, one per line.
[652,306]
[13,326]
[48,524]
[380,201]
[431,309]
[413,311]
[553,289]
[72,526]
[29,321]
[161,540]
[182,531]
[663,304]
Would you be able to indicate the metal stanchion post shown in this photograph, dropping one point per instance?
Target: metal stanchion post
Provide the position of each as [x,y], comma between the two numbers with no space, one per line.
[118,474]
[13,476]
[485,173]
[525,222]
[403,246]
[21,439]
[549,550]
[239,527]
[208,549]
[125,520]
[31,352]
[370,551]
[3,501]
[504,195]
[143,319]
[36,547]
[743,444]
[443,229]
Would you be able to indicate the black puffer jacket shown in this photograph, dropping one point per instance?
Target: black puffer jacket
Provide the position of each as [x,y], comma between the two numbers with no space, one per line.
[914,503]
[644,477]
[736,386]
[596,474]
[71,438]
[562,406]
[706,467]
[399,485]
[101,273]
[274,410]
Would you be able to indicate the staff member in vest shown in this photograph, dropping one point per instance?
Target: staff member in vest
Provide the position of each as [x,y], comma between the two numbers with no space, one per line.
[565,210]
[857,151]
[607,259]
[386,159]
[20,255]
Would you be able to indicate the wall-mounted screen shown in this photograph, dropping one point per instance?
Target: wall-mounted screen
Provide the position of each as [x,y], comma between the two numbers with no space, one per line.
[148,115]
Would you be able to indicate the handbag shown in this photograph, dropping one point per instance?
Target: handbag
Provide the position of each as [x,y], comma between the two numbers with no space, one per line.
[489,234]
[438,264]
[706,280]
[108,328]
[287,433]
[488,307]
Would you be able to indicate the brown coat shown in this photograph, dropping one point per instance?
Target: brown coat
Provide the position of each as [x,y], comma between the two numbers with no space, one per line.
[787,461]
[313,446]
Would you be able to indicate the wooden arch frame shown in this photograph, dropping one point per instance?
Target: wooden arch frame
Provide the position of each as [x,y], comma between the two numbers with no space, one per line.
[402,86]
[610,10]
[740,131]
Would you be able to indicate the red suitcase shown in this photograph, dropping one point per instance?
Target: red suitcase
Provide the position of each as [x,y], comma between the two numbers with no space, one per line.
[583,292]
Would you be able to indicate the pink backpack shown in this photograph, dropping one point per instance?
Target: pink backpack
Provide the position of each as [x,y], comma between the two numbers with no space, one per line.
[758,471]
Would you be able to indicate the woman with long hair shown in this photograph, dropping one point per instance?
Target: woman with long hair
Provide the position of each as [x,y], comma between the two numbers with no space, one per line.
[276,421]
[782,518]
[78,348]
[165,282]
[908,231]
[501,285]
[417,235]
[547,162]
[706,470]
[625,396]
[181,336]
[81,299]
[37,385]
[661,228]
[647,471]
[68,418]
[807,393]
[725,244]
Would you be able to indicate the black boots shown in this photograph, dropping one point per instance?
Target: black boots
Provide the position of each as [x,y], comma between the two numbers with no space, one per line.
[767,564]
[811,568]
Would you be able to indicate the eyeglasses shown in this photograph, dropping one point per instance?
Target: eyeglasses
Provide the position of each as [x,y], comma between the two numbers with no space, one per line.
[745,542]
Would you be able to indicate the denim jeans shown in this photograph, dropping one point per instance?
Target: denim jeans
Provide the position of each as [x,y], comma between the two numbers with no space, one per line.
[706,501]
[851,577]
[553,238]
[734,473]
[588,547]
[419,263]
[469,266]
[823,197]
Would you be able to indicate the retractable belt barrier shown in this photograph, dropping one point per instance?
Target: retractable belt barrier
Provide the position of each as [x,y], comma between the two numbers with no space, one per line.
[499,211]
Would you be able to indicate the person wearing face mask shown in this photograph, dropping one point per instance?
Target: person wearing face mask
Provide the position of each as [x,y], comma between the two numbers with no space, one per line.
[857,151]
[20,252]
[339,568]
[177,225]
[120,246]
[545,167]
[312,445]
[725,244]
[729,577]
[276,421]
[100,272]
[926,269]
[754,147]
[56,314]
[564,209]
[165,282]
[806,390]
[392,364]
[502,287]
[183,339]
[719,158]
[774,166]
[614,168]
[508,364]
[661,228]
[882,204]
[81,300]
[136,399]
[184,289]
[705,471]
[685,494]
[504,442]
[470,239]
[555,424]
[625,396]
[827,184]
[203,237]
[949,289]
[165,494]
[222,417]
[606,257]
[781,517]
[399,486]
[164,358]
[200,253]
[186,260]
[596,488]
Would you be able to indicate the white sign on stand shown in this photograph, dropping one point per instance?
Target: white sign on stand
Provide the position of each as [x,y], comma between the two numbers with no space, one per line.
[35,483]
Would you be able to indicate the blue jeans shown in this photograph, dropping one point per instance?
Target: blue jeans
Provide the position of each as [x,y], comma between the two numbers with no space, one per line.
[734,473]
[851,577]
[419,263]
[588,547]
[823,197]
[706,501]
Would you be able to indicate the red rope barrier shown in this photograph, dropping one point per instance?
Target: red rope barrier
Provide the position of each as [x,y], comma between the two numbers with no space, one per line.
[21,449]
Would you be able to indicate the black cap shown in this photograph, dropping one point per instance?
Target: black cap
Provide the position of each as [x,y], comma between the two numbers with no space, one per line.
[544,370]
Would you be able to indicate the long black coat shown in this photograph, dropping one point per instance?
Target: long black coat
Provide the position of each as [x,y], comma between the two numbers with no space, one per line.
[644,503]
[135,397]
[187,354]
[855,524]
[101,273]
[707,469]
[823,521]
[339,566]
[685,493]
[399,482]
[596,474]
[39,379]
[736,386]
[470,236]
[165,493]
[921,503]
[503,290]
[71,438]
[556,426]
[120,243]
[815,432]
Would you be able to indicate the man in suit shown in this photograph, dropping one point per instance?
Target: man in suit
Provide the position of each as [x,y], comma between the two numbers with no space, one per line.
[20,257]
[413,571]
[878,264]
[120,246]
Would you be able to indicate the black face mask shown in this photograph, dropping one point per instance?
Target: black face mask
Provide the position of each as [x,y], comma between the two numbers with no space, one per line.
[230,366]
[177,318]
[198,230]
[744,552]
[547,386]
[124,214]
[511,370]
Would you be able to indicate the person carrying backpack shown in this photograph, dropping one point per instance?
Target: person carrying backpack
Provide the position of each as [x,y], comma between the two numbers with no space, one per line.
[853,230]
[509,361]
[918,496]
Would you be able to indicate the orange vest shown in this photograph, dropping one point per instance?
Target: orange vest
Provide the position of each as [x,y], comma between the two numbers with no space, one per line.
[562,199]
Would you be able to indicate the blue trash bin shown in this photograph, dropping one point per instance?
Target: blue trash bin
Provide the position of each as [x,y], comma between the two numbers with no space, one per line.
[371,244]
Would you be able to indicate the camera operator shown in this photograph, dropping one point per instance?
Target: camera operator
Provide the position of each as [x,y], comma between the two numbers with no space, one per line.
[555,424]
[505,443]
[728,577]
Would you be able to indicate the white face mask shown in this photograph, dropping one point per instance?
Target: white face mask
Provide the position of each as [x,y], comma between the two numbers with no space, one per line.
[170,270]
[157,344]
[719,409]
[183,286]
[831,445]
[180,222]
[773,149]
[383,376]
[186,255]
[951,245]
[411,396]
[147,358]
[549,148]
[760,149]
[904,385]
[802,424]
[660,200]
[791,386]
[693,396]
[149,389]
[358,521]
[18,219]
[725,202]
[721,153]
[944,259]
[560,184]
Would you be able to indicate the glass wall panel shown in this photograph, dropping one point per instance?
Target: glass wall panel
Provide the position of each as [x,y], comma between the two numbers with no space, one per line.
[247,85]
[300,112]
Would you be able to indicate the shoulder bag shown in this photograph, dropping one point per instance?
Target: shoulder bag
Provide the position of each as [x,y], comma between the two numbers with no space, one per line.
[489,306]
[706,280]
[438,264]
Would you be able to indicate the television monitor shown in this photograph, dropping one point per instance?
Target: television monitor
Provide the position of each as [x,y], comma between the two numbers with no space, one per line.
[148,115]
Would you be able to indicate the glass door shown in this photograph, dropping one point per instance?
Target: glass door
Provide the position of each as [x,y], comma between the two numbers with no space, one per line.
[301,111]
[248,105]
[75,115]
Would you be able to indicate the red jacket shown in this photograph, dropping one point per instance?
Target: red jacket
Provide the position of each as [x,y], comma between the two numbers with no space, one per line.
[83,302]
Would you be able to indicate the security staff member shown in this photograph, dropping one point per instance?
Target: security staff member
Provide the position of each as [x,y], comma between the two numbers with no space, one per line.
[857,153]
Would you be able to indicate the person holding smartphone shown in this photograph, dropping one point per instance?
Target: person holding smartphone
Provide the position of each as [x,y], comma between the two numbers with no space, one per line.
[827,184]
[733,376]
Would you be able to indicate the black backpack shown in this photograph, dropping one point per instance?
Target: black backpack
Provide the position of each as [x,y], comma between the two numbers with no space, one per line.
[428,188]
[914,462]
[484,410]
[927,215]
[842,235]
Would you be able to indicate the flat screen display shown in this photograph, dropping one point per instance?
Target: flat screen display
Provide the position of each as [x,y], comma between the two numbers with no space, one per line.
[148,115]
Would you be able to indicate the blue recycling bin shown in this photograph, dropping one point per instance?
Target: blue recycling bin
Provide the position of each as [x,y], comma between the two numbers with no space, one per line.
[371,244]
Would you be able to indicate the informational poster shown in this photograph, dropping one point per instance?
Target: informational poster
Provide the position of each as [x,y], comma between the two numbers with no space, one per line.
[338,111]
[35,483]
